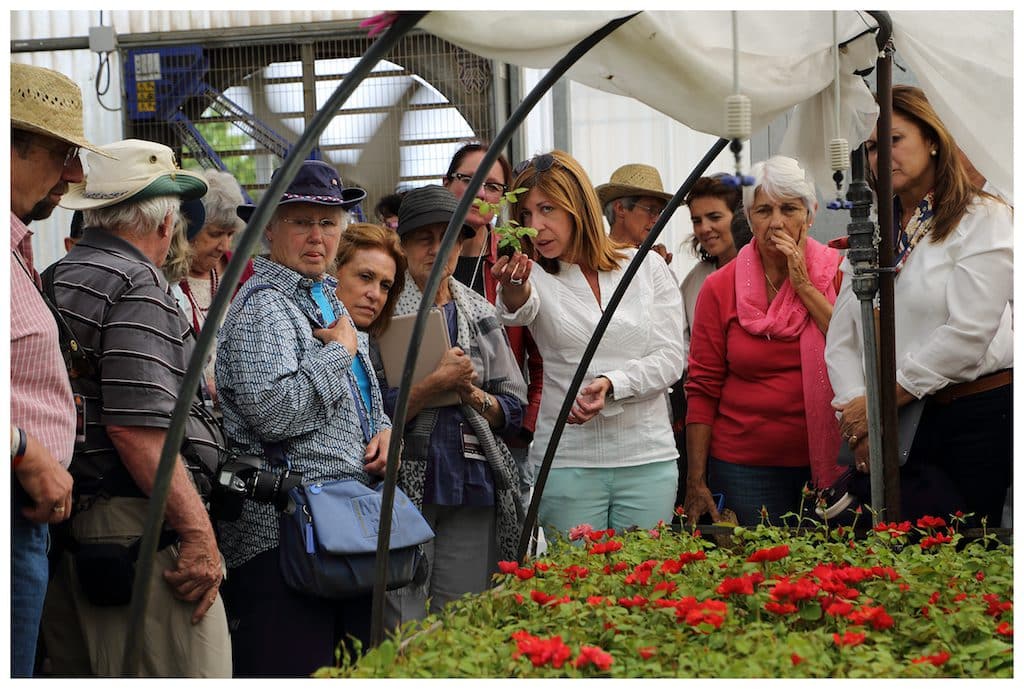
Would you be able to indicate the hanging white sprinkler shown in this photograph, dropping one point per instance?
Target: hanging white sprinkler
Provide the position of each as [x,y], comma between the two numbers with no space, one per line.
[737,114]
[838,148]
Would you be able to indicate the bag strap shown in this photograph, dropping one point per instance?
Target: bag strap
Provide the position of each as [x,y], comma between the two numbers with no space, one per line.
[78,362]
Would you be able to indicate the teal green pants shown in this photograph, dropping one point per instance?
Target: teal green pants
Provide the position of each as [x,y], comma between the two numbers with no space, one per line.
[609,498]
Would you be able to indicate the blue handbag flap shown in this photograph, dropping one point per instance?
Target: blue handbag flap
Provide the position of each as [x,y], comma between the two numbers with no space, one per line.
[346,517]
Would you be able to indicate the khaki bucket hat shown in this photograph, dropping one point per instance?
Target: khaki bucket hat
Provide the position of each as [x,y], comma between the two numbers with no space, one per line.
[634,179]
[47,102]
[132,170]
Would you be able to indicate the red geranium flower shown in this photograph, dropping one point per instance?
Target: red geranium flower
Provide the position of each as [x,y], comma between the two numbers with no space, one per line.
[578,532]
[547,598]
[803,588]
[979,575]
[780,608]
[995,607]
[1005,629]
[743,585]
[671,566]
[524,573]
[877,617]
[666,586]
[927,522]
[772,554]
[606,547]
[592,655]
[519,598]
[634,602]
[931,541]
[795,659]
[543,566]
[849,639]
[541,651]
[838,608]
[937,659]
[687,558]
[893,529]
[507,567]
[574,572]
[646,651]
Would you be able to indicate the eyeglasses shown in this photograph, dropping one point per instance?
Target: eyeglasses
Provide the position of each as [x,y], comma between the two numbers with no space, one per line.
[68,151]
[651,211]
[329,226]
[492,188]
[540,163]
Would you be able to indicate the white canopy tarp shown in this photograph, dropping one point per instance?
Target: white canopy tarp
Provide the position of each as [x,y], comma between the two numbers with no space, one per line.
[681,64]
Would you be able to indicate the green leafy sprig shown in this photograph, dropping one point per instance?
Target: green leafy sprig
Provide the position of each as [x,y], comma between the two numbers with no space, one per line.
[509,232]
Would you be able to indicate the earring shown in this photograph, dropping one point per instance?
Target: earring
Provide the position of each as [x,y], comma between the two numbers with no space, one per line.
[934,152]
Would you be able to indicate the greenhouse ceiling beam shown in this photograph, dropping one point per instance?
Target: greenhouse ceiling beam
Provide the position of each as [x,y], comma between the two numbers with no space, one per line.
[211,38]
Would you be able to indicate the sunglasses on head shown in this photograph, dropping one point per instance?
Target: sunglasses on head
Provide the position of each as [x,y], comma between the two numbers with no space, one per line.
[540,163]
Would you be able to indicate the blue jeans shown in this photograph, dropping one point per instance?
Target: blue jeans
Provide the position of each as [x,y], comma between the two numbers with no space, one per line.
[748,488]
[29,573]
[638,495]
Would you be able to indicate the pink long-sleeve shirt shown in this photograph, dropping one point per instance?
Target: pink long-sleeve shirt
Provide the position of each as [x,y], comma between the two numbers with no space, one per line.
[748,388]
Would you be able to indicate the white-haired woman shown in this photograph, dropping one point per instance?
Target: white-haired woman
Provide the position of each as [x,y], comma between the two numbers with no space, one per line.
[210,242]
[759,419]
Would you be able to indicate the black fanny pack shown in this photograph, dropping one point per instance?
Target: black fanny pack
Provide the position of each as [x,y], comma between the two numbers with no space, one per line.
[106,571]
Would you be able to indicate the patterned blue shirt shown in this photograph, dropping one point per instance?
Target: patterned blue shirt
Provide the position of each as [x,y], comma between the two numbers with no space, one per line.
[279,384]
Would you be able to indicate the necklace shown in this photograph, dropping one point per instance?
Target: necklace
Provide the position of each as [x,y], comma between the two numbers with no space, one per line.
[480,258]
[770,283]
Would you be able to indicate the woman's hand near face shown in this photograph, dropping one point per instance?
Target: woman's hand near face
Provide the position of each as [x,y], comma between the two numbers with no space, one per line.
[796,261]
[513,274]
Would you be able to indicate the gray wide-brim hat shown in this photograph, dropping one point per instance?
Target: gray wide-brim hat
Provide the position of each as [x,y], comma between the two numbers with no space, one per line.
[426,206]
[138,170]
[47,102]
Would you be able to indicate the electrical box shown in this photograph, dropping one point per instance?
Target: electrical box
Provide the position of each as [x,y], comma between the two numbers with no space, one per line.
[102,39]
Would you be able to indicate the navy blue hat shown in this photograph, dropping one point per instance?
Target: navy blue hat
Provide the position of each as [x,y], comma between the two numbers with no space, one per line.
[315,182]
[195,214]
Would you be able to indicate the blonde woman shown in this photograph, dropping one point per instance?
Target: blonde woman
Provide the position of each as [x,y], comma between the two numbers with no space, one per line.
[616,463]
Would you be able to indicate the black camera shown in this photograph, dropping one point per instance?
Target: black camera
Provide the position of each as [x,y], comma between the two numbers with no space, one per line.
[242,478]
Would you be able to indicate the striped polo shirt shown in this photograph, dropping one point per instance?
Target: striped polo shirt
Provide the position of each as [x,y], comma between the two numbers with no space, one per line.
[122,312]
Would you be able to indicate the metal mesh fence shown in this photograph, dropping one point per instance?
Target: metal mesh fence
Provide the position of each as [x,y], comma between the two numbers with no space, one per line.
[241,106]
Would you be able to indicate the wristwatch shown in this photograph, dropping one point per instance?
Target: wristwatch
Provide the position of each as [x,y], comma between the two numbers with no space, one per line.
[485,404]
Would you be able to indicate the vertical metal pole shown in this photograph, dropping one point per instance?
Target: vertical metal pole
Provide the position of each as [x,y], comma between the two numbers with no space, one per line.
[863,257]
[886,299]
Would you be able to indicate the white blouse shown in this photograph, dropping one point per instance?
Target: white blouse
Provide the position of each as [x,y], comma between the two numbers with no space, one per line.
[641,353]
[954,310]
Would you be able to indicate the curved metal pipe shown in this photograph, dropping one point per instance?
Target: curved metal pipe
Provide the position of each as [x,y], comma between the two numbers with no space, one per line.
[430,291]
[158,496]
[595,339]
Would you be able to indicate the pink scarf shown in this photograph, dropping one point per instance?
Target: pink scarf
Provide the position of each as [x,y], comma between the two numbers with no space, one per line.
[787,318]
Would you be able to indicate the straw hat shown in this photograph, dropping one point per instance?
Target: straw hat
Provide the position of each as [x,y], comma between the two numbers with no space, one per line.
[634,179]
[315,182]
[47,102]
[134,170]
